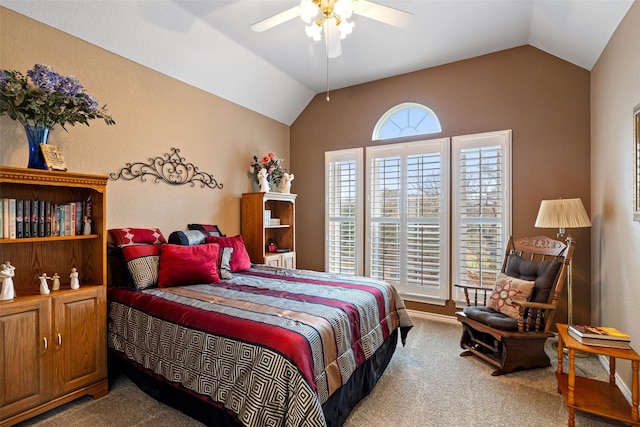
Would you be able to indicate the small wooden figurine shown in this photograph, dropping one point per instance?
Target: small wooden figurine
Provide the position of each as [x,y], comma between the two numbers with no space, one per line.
[262,180]
[44,287]
[86,230]
[7,272]
[75,283]
[55,286]
[285,184]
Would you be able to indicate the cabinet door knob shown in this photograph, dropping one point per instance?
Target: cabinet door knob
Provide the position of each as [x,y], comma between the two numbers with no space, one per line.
[59,340]
[46,344]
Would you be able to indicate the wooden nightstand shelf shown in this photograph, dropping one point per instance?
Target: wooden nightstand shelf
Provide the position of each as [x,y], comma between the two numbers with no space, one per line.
[257,232]
[597,397]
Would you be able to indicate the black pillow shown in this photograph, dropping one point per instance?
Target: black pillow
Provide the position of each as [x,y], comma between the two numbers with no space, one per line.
[207,229]
[542,272]
[187,238]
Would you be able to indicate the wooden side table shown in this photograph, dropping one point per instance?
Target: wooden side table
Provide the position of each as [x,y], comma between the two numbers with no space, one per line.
[597,397]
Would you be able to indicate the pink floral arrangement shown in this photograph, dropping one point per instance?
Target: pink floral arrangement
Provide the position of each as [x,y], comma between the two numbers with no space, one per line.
[272,164]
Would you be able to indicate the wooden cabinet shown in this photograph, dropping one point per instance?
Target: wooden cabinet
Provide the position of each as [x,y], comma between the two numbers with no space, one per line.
[25,335]
[597,397]
[258,231]
[53,347]
[79,338]
[285,259]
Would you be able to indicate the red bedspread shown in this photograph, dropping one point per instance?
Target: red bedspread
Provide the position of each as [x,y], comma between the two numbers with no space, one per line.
[269,345]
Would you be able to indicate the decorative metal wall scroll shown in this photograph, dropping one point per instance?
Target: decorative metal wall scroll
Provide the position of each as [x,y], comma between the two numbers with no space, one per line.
[170,168]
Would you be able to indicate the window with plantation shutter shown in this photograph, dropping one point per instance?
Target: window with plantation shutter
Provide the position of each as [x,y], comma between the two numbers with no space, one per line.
[407,217]
[343,227]
[481,206]
[436,212]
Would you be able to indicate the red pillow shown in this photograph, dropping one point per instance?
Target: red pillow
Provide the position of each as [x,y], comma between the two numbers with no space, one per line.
[188,265]
[132,236]
[240,260]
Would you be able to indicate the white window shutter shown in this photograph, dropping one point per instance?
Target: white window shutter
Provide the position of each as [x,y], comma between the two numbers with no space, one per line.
[343,217]
[481,206]
[407,217]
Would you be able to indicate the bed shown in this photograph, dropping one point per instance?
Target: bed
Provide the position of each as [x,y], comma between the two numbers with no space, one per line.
[265,346]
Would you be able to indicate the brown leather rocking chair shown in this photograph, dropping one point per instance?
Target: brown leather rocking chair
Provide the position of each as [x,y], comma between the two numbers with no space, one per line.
[514,343]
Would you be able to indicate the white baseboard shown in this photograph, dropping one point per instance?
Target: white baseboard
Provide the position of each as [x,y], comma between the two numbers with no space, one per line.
[624,388]
[432,316]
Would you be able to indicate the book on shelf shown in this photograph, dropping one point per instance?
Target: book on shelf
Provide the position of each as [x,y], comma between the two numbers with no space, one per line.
[26,219]
[12,218]
[19,218]
[47,220]
[599,336]
[42,217]
[22,218]
[34,218]
[598,342]
[79,214]
[598,332]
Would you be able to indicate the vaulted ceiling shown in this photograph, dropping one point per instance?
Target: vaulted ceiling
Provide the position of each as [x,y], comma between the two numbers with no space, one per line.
[209,44]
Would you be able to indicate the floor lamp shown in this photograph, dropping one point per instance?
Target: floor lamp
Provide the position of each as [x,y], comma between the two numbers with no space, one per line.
[562,214]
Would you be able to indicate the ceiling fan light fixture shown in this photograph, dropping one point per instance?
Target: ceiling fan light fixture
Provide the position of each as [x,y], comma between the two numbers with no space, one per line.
[337,10]
[314,31]
[345,28]
[343,8]
[308,10]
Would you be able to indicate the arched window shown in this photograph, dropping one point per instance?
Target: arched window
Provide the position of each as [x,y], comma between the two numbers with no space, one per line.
[406,119]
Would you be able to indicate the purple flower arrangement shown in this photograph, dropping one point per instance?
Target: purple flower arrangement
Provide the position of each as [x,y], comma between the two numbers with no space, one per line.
[45,98]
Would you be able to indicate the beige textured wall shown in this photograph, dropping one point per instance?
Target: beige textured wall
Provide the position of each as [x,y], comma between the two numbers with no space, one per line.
[543,99]
[153,114]
[615,90]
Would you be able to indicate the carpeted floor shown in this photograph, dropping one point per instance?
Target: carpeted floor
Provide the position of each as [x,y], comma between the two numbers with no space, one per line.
[427,383]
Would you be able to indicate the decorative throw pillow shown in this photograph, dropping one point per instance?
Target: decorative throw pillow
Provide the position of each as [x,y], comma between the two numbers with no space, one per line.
[188,265]
[225,263]
[507,290]
[142,263]
[136,236]
[187,238]
[240,260]
[207,229]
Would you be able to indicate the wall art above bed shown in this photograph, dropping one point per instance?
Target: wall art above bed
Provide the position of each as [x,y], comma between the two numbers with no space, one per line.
[170,168]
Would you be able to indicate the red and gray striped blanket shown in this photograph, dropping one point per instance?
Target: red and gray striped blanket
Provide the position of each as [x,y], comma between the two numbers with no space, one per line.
[270,345]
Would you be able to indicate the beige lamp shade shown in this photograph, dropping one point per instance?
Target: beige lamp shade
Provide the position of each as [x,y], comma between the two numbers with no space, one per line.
[562,213]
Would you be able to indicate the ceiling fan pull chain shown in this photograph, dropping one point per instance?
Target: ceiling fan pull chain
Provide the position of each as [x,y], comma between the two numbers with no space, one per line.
[328,99]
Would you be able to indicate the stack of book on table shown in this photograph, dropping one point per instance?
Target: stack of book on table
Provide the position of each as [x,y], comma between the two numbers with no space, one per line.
[599,336]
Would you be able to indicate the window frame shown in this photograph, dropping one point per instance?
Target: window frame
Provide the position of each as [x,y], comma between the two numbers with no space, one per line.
[390,113]
[356,155]
[433,295]
[481,140]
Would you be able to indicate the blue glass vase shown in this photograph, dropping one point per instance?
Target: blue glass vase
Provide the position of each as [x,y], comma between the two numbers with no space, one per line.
[36,135]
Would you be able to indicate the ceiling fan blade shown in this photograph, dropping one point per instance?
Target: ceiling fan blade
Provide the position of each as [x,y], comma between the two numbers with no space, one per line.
[385,14]
[274,20]
[332,39]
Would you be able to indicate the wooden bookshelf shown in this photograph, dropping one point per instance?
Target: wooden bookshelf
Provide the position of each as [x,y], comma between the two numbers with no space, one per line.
[257,232]
[53,347]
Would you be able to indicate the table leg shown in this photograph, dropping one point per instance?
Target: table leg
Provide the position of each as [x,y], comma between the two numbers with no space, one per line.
[572,387]
[560,357]
[612,370]
[634,390]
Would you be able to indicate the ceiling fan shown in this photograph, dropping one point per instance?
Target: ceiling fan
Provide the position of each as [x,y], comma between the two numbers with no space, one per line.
[331,18]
